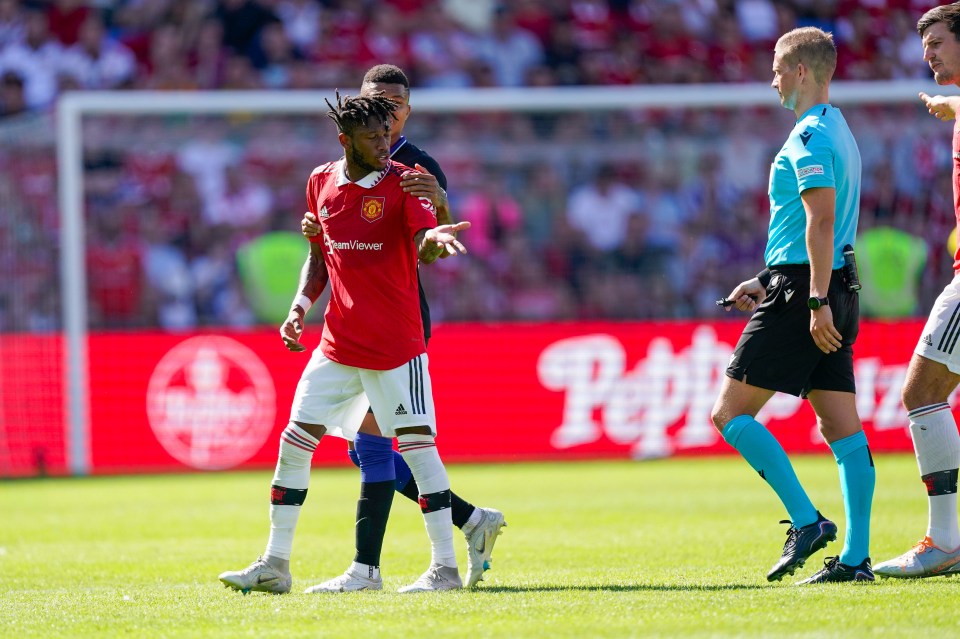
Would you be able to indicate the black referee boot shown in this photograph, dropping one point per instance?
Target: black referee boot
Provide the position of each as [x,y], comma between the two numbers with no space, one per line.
[834,571]
[801,543]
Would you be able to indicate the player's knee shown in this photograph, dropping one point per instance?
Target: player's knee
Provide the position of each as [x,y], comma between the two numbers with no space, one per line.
[916,396]
[719,417]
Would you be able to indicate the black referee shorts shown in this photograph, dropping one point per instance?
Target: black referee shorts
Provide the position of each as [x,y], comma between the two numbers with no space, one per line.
[776,350]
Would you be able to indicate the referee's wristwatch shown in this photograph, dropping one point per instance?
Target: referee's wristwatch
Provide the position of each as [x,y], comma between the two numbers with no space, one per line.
[813,303]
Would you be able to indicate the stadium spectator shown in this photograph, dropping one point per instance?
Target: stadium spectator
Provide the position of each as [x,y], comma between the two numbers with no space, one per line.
[510,50]
[12,22]
[275,57]
[167,61]
[12,99]
[98,61]
[562,54]
[492,212]
[66,18]
[891,262]
[301,21]
[242,21]
[115,273]
[604,197]
[385,38]
[535,16]
[758,20]
[207,57]
[245,203]
[542,202]
[441,51]
[36,57]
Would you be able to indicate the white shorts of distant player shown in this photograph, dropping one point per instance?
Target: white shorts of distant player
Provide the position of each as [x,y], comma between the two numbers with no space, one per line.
[337,396]
[940,338]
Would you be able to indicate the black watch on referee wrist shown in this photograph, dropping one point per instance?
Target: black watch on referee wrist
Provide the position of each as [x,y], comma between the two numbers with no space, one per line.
[813,303]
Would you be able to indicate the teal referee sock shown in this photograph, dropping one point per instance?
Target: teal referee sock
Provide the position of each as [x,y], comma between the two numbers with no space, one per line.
[765,454]
[857,479]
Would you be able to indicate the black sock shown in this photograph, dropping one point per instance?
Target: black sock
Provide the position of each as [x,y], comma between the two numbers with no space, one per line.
[373,511]
[459,509]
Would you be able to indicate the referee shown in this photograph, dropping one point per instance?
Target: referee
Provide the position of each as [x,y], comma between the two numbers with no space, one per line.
[800,337]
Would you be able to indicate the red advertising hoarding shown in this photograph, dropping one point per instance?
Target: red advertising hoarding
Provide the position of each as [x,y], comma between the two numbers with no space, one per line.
[208,401]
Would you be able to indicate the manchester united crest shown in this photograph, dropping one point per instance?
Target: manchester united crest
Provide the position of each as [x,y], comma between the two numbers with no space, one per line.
[372,208]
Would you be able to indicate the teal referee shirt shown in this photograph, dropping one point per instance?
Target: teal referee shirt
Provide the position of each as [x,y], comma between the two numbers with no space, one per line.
[820,152]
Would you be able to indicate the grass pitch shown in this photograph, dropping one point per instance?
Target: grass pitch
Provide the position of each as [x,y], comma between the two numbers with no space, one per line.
[676,548]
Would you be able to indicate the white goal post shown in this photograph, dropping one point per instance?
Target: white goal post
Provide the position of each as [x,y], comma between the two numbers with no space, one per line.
[74,106]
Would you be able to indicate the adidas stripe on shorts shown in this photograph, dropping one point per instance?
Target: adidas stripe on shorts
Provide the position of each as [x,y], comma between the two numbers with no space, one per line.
[337,396]
[940,338]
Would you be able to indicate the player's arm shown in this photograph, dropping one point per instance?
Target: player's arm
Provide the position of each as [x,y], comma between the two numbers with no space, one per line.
[942,107]
[313,279]
[431,243]
[819,204]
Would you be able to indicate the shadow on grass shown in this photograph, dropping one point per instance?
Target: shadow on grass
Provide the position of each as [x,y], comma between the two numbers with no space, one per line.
[622,588]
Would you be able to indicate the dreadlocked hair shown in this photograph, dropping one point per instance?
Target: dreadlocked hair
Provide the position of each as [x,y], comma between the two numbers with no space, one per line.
[353,112]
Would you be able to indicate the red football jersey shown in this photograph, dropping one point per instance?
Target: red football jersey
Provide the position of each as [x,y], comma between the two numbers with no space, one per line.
[373,318]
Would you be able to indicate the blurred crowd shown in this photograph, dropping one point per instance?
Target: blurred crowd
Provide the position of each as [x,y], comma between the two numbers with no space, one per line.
[56,45]
[576,215]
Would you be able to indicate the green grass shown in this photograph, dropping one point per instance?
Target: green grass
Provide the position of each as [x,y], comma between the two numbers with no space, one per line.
[601,549]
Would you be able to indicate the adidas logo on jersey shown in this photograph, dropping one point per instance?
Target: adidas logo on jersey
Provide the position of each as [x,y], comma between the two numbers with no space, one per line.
[324,212]
[400,410]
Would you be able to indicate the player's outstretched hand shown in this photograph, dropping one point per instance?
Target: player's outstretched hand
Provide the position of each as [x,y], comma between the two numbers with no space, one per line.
[747,296]
[824,333]
[442,238]
[290,333]
[310,225]
[421,183]
[941,107]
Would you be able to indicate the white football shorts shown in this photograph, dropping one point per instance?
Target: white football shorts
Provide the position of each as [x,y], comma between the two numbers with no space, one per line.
[941,334]
[337,396]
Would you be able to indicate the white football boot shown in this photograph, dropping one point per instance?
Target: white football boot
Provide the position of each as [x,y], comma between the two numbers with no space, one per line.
[437,577]
[480,543]
[258,577]
[347,582]
[923,560]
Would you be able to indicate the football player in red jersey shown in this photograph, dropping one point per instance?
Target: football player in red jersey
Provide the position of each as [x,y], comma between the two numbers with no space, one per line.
[372,352]
[480,526]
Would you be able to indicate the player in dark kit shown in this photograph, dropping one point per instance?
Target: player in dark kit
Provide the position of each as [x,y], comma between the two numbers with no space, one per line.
[372,352]
[481,526]
[800,339]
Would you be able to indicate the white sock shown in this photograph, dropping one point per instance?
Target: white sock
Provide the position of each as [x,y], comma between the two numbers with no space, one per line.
[364,570]
[292,474]
[420,453]
[937,445]
[475,517]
